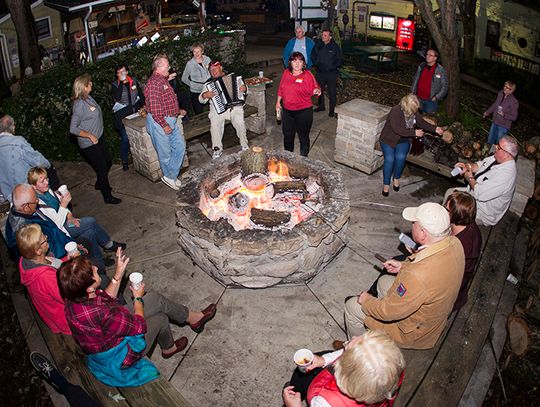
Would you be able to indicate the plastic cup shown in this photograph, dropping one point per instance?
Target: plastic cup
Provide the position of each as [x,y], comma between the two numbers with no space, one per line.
[303,359]
[261,74]
[63,189]
[71,247]
[135,280]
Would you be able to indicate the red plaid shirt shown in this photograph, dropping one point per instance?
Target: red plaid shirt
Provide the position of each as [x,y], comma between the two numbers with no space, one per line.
[101,323]
[160,98]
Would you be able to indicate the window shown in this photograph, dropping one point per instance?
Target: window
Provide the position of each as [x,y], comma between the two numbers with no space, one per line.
[43,28]
[493,32]
[537,49]
[382,22]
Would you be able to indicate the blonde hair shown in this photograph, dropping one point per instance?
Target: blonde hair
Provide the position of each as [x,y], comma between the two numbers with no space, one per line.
[29,240]
[197,45]
[369,372]
[79,86]
[34,173]
[410,104]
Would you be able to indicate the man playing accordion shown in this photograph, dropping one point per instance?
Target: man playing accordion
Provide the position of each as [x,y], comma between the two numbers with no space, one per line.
[227,93]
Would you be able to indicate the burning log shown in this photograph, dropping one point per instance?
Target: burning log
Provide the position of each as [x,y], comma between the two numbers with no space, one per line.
[269,218]
[289,186]
[253,161]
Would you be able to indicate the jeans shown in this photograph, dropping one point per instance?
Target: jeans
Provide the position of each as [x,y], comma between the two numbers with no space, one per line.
[496,132]
[297,121]
[394,160]
[429,106]
[124,145]
[170,148]
[91,230]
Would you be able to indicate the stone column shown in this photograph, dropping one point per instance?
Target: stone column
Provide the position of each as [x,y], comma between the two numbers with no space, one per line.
[256,123]
[145,159]
[360,123]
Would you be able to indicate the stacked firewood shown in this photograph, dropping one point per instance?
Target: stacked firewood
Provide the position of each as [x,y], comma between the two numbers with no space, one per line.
[531,148]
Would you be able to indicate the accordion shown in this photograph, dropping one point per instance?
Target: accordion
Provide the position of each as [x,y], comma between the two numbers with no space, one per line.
[227,92]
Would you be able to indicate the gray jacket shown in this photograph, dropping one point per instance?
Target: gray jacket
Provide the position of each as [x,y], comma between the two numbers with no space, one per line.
[195,75]
[439,83]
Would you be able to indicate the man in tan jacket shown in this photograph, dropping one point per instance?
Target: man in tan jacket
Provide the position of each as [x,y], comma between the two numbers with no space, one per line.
[413,306]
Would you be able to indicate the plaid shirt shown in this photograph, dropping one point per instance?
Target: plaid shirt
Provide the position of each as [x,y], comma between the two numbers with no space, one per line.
[101,323]
[160,98]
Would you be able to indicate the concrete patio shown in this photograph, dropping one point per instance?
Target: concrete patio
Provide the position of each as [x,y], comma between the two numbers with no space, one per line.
[244,355]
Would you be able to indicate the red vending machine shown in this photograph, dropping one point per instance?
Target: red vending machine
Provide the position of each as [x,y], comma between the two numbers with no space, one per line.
[405,34]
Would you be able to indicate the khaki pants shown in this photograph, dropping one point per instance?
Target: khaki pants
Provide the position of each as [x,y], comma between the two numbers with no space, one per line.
[354,316]
[217,125]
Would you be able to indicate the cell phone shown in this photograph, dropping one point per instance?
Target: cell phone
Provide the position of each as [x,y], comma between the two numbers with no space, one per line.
[407,241]
[380,258]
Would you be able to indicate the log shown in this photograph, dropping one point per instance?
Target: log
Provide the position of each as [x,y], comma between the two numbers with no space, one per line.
[269,218]
[431,119]
[519,335]
[478,154]
[536,194]
[467,152]
[476,145]
[289,186]
[530,149]
[253,161]
[448,137]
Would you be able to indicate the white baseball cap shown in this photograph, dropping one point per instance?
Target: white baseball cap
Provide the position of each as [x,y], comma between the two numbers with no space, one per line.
[431,216]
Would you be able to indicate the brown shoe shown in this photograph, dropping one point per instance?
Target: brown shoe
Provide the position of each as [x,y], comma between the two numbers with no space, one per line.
[208,314]
[337,345]
[180,346]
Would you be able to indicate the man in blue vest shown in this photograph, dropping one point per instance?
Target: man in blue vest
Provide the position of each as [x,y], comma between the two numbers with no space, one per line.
[300,43]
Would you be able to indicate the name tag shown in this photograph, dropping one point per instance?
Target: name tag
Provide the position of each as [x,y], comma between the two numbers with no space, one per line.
[438,76]
[92,108]
[165,87]
[133,87]
[299,80]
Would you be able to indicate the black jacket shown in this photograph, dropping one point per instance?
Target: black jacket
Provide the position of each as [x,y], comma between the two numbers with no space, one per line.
[326,57]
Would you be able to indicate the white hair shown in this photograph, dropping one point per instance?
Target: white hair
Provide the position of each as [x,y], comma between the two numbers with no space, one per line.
[22,193]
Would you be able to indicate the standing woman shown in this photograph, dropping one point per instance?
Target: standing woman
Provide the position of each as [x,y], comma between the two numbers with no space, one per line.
[128,99]
[87,125]
[296,88]
[196,74]
[404,122]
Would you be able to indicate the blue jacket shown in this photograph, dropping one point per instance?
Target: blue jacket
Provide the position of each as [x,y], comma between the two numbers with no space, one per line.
[107,366]
[289,50]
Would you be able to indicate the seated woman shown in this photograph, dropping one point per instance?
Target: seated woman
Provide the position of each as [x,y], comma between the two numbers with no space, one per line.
[368,372]
[38,274]
[462,208]
[116,337]
[54,206]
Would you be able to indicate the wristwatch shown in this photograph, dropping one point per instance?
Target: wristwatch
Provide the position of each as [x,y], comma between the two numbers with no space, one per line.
[140,299]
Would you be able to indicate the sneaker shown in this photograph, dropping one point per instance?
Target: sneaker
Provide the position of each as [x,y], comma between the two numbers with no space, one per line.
[170,183]
[178,182]
[217,153]
[244,148]
[45,368]
[115,246]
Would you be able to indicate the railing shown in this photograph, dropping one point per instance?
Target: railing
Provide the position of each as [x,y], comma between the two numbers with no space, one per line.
[515,62]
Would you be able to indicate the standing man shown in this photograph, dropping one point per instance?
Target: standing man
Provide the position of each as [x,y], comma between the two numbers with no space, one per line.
[162,124]
[491,181]
[301,44]
[430,82]
[217,121]
[504,110]
[327,58]
[412,307]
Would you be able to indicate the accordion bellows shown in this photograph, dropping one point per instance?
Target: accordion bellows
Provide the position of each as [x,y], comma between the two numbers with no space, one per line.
[227,92]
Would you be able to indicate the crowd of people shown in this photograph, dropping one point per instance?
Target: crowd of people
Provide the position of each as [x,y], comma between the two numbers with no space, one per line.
[407,307]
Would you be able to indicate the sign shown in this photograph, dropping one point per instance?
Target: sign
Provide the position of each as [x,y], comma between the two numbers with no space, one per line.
[405,34]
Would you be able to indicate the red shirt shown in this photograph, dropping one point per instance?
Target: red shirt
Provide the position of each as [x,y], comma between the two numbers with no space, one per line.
[296,91]
[160,98]
[423,90]
[101,323]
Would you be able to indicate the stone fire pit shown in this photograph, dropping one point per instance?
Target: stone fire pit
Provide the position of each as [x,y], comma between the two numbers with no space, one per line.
[256,258]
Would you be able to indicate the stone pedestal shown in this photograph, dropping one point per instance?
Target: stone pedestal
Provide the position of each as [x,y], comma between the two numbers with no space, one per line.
[145,159]
[256,123]
[360,123]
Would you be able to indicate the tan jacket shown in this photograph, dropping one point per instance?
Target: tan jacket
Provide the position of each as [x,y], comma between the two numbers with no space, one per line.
[415,309]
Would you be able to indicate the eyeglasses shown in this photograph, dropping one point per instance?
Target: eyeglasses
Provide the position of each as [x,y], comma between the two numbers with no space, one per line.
[498,147]
[31,203]
[45,241]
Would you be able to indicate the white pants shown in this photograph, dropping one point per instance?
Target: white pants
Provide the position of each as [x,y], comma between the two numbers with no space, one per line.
[354,316]
[217,125]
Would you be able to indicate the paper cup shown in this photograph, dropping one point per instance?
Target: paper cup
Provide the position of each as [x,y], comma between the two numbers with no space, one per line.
[135,280]
[63,190]
[71,247]
[303,359]
[261,74]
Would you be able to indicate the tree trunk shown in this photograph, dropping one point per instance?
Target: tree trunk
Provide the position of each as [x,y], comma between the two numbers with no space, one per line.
[450,60]
[23,20]
[467,10]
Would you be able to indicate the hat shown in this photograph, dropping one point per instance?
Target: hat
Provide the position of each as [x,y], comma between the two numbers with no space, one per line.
[431,216]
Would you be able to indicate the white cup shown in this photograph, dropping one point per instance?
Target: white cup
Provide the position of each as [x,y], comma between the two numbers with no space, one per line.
[71,248]
[136,280]
[62,190]
[261,74]
[303,359]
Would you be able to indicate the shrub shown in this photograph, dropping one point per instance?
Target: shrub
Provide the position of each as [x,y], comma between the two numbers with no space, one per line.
[42,108]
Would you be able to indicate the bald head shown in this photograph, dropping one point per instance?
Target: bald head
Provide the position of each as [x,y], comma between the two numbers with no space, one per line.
[7,124]
[161,64]
[24,199]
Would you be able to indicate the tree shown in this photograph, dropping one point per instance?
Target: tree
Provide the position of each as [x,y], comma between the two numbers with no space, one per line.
[23,20]
[443,30]
[467,11]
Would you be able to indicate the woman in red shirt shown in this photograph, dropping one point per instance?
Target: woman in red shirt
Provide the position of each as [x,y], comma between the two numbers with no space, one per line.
[296,88]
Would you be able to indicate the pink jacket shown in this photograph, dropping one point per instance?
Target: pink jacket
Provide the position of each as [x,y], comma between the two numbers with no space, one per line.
[42,285]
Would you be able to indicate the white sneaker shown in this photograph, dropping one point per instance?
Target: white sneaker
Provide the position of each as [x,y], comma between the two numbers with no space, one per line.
[244,148]
[177,182]
[217,153]
[170,183]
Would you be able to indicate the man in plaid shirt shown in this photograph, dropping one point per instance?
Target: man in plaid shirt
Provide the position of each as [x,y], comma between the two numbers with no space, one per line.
[161,121]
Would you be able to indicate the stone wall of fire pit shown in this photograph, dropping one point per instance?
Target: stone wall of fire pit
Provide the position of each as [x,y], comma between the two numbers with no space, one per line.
[255,258]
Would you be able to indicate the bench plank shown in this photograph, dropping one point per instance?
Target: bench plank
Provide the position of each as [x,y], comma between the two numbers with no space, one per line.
[156,393]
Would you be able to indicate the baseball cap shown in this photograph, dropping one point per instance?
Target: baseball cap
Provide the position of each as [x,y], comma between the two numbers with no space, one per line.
[431,216]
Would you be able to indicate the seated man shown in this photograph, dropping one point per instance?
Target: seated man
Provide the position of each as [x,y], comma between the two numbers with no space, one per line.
[491,181]
[25,210]
[217,120]
[413,306]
